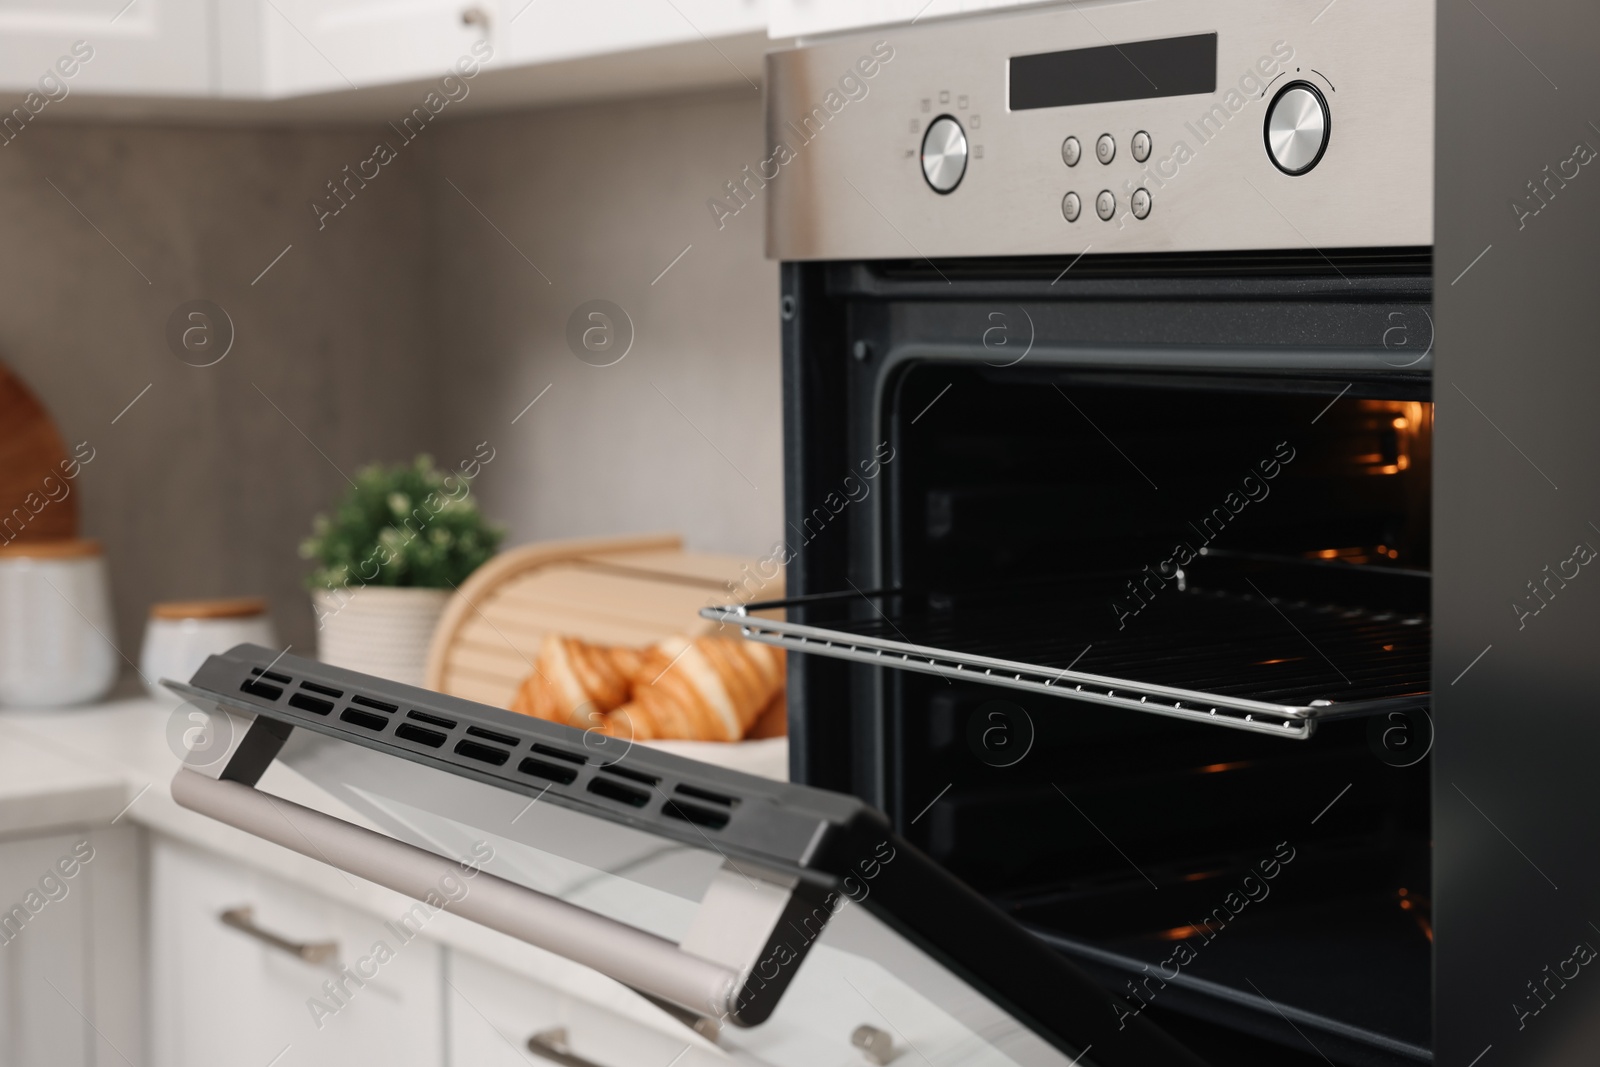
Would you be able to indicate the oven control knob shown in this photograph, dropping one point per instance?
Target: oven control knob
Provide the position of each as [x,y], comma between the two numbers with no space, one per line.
[944,154]
[1297,127]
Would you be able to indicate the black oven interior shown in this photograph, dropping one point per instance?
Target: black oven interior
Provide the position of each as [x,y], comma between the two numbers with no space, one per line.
[1203,873]
[1128,833]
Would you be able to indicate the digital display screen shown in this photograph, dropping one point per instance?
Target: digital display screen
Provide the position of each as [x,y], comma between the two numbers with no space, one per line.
[1139,70]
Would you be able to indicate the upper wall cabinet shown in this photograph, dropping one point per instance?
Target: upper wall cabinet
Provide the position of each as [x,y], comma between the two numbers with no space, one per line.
[538,31]
[276,48]
[57,47]
[802,18]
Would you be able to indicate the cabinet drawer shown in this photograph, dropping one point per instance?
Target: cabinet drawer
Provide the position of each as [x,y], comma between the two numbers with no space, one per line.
[489,1007]
[241,994]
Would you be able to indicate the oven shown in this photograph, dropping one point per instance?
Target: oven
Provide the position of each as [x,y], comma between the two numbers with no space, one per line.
[1108,426]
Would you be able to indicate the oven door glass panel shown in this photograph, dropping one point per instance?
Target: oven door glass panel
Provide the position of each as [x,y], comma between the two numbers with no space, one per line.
[858,973]
[911,965]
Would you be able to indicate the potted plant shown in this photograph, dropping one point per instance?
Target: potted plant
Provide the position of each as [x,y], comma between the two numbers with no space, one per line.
[398,544]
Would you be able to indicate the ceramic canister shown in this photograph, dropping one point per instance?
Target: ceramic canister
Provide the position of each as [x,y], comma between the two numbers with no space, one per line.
[57,644]
[182,633]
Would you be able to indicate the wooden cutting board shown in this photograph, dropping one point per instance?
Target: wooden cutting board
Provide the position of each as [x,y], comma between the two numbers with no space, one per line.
[31,450]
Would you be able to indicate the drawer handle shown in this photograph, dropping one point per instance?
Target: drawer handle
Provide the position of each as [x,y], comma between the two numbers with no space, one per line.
[552,1045]
[243,919]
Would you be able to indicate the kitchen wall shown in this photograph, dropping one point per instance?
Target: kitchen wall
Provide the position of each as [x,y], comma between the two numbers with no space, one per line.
[539,213]
[205,485]
[424,316]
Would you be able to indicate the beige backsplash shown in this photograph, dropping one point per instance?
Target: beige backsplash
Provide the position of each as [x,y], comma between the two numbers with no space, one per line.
[408,323]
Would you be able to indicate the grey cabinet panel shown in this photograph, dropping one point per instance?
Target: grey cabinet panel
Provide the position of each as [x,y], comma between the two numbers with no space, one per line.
[1517,588]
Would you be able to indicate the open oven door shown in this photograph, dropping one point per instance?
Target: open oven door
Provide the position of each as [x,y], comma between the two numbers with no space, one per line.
[786,925]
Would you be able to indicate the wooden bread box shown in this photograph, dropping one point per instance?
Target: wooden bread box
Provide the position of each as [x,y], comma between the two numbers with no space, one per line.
[622,591]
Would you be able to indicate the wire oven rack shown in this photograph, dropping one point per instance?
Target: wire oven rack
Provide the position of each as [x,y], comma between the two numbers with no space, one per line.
[1226,654]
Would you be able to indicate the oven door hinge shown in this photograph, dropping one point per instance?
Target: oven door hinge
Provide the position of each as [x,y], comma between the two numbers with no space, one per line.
[760,924]
[232,745]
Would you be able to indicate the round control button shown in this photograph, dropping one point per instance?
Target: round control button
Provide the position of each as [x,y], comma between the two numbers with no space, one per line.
[1071,207]
[1297,128]
[1105,205]
[1141,146]
[944,154]
[1105,149]
[1140,203]
[1071,151]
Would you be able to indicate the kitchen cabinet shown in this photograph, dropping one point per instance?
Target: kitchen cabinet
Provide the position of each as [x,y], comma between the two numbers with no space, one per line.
[275,48]
[304,973]
[797,18]
[145,47]
[489,1007]
[264,50]
[540,31]
[69,973]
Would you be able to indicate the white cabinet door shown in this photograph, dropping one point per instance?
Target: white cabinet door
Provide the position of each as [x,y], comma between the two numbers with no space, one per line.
[490,1007]
[44,952]
[148,47]
[277,48]
[69,967]
[538,31]
[227,998]
[797,18]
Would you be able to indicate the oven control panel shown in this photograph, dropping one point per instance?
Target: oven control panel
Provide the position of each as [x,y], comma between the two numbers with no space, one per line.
[1138,200]
[1159,126]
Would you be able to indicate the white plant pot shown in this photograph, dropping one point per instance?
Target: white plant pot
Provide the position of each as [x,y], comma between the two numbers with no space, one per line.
[379,630]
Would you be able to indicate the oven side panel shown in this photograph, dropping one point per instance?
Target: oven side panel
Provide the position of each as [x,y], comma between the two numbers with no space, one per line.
[1517,596]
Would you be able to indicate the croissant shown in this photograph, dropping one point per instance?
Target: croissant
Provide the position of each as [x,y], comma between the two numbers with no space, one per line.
[773,721]
[573,681]
[703,689]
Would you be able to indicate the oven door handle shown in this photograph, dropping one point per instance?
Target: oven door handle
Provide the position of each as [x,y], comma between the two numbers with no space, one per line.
[642,961]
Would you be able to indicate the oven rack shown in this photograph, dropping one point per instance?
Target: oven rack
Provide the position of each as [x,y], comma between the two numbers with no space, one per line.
[1274,666]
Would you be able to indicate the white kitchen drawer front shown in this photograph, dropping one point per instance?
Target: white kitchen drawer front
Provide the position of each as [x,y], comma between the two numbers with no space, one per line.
[799,18]
[147,47]
[538,31]
[277,48]
[227,996]
[490,1007]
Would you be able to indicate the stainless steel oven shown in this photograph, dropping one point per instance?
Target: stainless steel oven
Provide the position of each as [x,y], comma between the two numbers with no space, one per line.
[1129,583]
[1109,418]
[1109,523]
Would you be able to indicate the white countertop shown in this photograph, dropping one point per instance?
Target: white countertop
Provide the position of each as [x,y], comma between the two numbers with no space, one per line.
[41,788]
[89,766]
